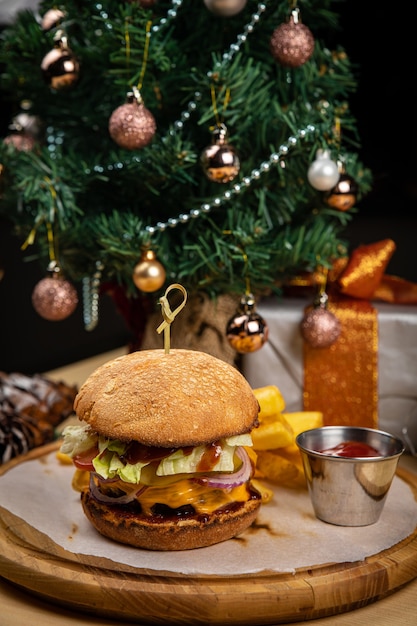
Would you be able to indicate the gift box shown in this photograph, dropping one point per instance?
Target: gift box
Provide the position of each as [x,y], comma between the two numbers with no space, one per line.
[281,362]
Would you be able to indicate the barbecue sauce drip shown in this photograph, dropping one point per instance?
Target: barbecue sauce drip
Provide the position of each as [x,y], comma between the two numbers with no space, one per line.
[138,453]
[210,457]
[352,449]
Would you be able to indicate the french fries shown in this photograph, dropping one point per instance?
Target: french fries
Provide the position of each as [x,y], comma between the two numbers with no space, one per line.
[301,421]
[275,466]
[273,432]
[270,400]
[278,457]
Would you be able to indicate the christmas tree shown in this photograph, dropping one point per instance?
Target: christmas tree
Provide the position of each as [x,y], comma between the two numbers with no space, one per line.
[207,143]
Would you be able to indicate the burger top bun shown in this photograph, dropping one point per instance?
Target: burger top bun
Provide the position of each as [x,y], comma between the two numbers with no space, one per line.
[175,399]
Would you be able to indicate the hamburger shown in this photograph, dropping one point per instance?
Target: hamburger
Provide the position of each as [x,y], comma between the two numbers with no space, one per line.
[165,446]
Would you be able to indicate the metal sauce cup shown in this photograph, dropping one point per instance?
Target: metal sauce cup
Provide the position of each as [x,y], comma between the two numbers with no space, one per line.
[348,491]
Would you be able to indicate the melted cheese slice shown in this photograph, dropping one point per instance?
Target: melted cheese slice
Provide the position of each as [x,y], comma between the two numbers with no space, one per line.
[204,499]
[179,493]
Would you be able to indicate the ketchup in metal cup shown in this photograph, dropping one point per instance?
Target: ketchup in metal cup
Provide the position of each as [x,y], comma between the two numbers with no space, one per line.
[352,449]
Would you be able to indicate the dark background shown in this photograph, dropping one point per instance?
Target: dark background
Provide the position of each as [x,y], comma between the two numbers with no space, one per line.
[380,43]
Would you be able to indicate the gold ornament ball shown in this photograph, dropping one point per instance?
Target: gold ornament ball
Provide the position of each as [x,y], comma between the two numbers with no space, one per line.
[60,68]
[149,274]
[225,8]
[320,328]
[292,44]
[132,126]
[54,298]
[247,332]
[343,195]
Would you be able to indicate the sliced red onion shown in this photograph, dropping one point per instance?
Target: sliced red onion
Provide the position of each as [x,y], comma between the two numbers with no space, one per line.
[101,497]
[226,480]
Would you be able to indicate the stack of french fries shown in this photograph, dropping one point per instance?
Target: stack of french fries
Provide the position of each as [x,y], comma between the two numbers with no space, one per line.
[278,456]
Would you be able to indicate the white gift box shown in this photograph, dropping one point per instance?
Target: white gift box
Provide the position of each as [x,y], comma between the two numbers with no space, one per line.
[280,361]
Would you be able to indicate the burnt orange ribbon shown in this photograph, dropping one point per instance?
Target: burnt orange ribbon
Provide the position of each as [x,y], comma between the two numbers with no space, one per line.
[363,275]
[342,380]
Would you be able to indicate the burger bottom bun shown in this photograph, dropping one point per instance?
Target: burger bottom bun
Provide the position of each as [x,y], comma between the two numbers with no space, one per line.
[174,534]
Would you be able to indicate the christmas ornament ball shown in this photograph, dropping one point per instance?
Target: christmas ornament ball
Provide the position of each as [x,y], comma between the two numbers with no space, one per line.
[60,68]
[149,274]
[225,8]
[132,126]
[21,141]
[51,19]
[247,332]
[220,163]
[54,298]
[343,195]
[323,173]
[320,328]
[292,44]
[25,123]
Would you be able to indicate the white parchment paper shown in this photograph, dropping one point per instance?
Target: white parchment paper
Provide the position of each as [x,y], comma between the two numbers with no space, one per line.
[286,535]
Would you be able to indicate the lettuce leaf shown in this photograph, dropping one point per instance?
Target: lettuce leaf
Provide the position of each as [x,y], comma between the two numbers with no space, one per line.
[180,463]
[78,439]
[108,463]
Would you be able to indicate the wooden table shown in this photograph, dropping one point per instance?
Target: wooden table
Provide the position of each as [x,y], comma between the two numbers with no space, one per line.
[19,608]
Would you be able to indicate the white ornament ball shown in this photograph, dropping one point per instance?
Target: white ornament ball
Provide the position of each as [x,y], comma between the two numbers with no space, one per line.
[323,174]
[225,8]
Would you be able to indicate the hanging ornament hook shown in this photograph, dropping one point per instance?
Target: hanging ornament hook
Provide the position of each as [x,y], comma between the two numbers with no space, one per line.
[145,54]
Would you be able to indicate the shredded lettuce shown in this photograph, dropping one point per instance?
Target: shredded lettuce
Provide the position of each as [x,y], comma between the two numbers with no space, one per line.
[78,439]
[108,464]
[240,440]
[180,463]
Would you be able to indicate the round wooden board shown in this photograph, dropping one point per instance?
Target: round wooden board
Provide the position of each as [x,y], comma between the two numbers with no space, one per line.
[157,599]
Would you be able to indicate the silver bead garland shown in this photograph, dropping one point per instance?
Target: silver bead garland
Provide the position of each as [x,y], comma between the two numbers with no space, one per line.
[91,286]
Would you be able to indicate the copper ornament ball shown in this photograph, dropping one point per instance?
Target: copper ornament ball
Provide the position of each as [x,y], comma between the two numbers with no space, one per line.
[292,44]
[320,328]
[23,142]
[54,298]
[343,195]
[60,68]
[247,332]
[225,8]
[132,126]
[51,19]
[220,163]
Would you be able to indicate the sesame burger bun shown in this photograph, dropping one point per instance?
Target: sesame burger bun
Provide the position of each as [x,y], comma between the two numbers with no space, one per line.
[179,399]
[174,399]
